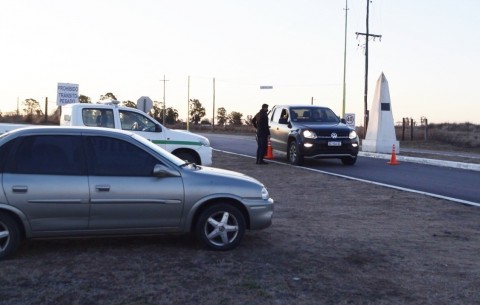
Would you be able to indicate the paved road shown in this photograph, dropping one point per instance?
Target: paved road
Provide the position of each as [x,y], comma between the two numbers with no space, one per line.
[458,184]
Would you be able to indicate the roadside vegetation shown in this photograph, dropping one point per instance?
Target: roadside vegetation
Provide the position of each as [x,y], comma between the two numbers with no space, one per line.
[444,136]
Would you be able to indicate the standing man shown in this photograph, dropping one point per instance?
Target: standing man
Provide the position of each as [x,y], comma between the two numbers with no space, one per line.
[260,122]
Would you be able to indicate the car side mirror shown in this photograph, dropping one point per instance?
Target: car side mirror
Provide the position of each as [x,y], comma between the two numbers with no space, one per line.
[283,121]
[161,171]
[343,121]
[158,128]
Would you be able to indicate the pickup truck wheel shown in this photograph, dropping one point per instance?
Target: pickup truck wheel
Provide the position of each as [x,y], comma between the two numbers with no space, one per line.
[221,227]
[293,154]
[349,160]
[9,235]
[189,157]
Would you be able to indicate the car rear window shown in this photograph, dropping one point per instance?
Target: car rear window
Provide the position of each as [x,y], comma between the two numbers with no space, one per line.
[48,155]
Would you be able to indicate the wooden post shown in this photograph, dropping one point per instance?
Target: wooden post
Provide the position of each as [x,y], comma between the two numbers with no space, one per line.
[46,109]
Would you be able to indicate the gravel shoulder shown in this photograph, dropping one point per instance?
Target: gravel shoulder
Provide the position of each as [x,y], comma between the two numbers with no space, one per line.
[333,241]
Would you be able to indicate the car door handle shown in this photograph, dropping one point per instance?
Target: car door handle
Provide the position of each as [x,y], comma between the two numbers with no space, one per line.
[19,188]
[103,188]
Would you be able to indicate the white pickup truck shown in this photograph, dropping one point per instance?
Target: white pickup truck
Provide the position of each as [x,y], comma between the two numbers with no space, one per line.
[183,144]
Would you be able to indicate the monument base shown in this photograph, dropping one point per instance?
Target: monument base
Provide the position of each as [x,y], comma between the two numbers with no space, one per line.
[384,147]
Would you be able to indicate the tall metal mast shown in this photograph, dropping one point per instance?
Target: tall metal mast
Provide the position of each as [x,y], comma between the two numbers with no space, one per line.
[365,96]
[344,61]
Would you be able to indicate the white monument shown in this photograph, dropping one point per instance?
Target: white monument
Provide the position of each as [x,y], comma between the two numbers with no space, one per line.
[381,135]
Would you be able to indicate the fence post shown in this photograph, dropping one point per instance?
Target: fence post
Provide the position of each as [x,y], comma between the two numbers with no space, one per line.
[426,129]
[411,129]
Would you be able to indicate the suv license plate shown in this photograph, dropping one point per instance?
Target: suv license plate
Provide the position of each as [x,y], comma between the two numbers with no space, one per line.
[334,143]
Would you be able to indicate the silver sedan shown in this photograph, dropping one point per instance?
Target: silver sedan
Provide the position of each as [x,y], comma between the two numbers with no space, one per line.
[71,181]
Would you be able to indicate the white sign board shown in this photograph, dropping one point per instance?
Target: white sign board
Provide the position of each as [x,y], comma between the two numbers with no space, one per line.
[67,94]
[145,104]
[350,119]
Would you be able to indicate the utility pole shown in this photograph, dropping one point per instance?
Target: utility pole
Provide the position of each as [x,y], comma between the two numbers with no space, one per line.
[367,36]
[164,81]
[188,104]
[345,61]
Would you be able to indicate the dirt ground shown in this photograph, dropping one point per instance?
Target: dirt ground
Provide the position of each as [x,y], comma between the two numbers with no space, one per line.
[333,241]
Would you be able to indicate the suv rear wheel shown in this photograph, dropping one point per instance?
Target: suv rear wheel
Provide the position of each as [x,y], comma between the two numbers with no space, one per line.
[187,156]
[293,154]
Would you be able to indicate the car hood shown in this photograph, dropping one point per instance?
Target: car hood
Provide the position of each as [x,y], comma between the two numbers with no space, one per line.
[204,181]
[319,126]
[223,173]
[326,129]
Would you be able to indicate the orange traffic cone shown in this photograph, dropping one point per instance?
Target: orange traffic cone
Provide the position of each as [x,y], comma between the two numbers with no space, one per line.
[269,154]
[393,159]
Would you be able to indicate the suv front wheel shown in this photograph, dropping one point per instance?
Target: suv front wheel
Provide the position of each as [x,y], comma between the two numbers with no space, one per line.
[349,160]
[294,156]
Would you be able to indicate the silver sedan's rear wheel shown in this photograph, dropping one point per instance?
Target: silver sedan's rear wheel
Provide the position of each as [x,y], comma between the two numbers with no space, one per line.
[9,235]
[221,227]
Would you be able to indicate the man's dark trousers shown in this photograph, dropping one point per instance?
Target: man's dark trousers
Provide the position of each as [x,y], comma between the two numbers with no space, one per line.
[262,147]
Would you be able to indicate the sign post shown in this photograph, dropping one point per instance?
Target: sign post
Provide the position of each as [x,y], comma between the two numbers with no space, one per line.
[350,119]
[67,94]
[145,104]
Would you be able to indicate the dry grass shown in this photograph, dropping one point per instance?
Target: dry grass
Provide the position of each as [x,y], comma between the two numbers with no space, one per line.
[333,241]
[453,137]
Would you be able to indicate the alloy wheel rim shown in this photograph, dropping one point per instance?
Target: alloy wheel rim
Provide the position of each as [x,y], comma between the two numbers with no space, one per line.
[4,236]
[221,228]
[293,153]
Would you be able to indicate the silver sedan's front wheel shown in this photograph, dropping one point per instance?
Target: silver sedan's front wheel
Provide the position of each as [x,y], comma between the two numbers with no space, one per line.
[221,227]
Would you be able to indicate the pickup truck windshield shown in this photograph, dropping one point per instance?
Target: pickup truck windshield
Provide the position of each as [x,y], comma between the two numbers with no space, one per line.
[313,114]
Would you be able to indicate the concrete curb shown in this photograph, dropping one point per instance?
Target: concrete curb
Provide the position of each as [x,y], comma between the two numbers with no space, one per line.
[460,165]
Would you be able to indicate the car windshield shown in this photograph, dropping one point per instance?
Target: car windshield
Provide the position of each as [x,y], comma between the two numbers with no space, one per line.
[175,160]
[313,115]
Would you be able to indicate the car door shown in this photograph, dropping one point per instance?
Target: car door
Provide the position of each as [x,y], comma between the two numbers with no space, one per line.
[124,192]
[45,177]
[279,129]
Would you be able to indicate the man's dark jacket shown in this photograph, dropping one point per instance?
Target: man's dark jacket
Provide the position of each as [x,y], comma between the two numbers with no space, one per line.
[260,122]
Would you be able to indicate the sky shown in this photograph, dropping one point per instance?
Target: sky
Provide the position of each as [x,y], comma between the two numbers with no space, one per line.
[428,52]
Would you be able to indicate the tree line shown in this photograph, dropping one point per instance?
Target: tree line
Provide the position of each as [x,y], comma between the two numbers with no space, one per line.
[31,112]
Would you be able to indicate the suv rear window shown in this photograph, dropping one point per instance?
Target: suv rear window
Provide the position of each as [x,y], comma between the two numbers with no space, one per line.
[98,118]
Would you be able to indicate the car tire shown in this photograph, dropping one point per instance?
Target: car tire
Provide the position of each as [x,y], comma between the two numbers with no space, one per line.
[189,157]
[9,235]
[221,227]
[349,160]
[293,154]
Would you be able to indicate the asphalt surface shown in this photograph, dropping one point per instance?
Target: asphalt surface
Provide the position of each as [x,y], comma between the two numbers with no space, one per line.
[457,181]
[437,162]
